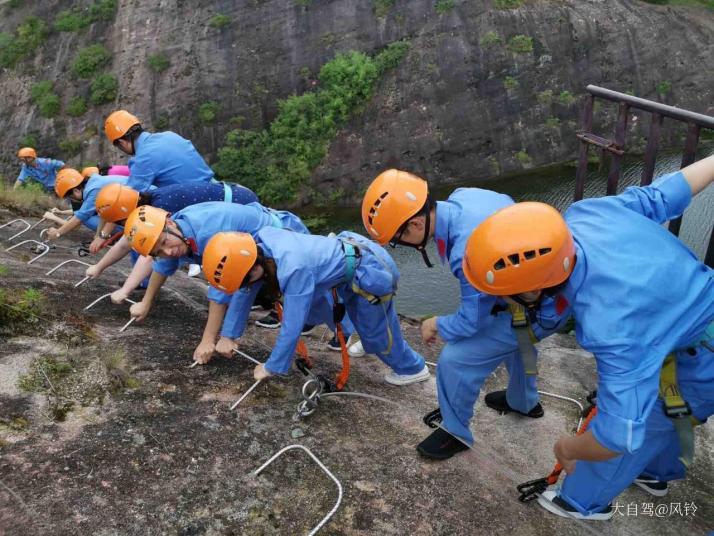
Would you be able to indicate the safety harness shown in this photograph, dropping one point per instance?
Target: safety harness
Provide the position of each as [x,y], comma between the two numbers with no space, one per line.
[521,324]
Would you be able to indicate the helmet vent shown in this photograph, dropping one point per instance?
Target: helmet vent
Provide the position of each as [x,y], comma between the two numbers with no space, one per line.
[529,254]
[515,260]
[218,272]
[500,264]
[373,210]
[544,251]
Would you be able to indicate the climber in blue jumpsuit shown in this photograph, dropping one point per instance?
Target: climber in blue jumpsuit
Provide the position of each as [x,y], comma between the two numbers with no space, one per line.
[478,336]
[179,196]
[642,301]
[196,224]
[308,267]
[42,170]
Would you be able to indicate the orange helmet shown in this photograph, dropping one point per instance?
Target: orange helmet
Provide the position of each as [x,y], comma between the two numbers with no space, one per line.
[227,259]
[521,248]
[390,201]
[67,178]
[143,228]
[89,171]
[27,152]
[118,124]
[116,201]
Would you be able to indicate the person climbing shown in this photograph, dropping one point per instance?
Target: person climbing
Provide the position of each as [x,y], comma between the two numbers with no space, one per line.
[89,171]
[42,170]
[398,209]
[182,237]
[158,159]
[300,270]
[643,305]
[115,169]
[82,191]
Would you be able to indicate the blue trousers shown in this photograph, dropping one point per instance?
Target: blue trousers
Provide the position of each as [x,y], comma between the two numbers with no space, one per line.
[593,485]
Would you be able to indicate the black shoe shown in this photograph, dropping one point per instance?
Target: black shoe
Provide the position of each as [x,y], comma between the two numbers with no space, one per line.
[651,485]
[497,401]
[334,345]
[269,321]
[440,445]
[307,329]
[550,500]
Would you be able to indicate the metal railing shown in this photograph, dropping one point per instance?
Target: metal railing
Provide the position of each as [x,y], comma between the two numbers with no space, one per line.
[616,146]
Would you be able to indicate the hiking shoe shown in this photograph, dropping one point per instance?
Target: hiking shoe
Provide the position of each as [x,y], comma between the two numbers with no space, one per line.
[651,485]
[334,344]
[497,401]
[356,349]
[440,445]
[555,505]
[406,379]
[307,329]
[269,321]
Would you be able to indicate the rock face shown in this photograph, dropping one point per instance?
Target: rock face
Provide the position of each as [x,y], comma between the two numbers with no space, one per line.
[482,92]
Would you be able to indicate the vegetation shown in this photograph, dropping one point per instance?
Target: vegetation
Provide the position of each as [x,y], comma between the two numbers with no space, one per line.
[70,147]
[75,19]
[700,3]
[158,62]
[444,6]
[520,44]
[77,107]
[552,123]
[219,21]
[45,99]
[545,97]
[490,39]
[104,89]
[523,157]
[29,140]
[31,200]
[664,87]
[510,83]
[162,122]
[507,4]
[27,37]
[382,7]
[207,112]
[566,98]
[20,309]
[89,60]
[277,161]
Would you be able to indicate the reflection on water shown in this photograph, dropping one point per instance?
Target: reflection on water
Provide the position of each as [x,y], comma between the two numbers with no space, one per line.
[424,291]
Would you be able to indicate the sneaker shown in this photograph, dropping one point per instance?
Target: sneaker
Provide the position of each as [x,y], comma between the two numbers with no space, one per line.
[440,445]
[334,344]
[255,307]
[651,485]
[307,329]
[550,500]
[356,349]
[406,379]
[194,270]
[497,401]
[269,321]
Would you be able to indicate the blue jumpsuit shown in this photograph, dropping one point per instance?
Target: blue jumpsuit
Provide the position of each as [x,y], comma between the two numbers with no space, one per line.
[163,159]
[478,340]
[308,267]
[638,294]
[179,196]
[43,171]
[87,213]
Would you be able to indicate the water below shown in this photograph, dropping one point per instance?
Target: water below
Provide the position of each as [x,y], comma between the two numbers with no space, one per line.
[429,291]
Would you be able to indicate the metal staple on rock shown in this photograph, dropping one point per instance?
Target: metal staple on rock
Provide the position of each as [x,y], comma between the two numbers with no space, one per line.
[16,234]
[103,296]
[60,265]
[42,244]
[325,470]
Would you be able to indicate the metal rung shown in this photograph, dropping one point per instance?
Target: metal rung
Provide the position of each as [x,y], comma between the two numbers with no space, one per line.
[599,141]
[47,248]
[16,234]
[38,223]
[60,265]
[326,471]
[104,296]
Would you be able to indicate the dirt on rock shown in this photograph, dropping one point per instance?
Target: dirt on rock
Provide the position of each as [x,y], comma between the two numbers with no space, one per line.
[148,445]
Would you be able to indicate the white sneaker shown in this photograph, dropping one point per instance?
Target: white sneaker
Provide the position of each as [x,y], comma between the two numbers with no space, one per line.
[194,270]
[406,379]
[356,349]
[550,500]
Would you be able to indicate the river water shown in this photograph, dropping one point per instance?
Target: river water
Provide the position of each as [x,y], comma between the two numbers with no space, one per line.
[427,291]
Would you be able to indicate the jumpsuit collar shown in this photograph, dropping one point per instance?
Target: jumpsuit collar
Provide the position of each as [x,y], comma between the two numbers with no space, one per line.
[442,228]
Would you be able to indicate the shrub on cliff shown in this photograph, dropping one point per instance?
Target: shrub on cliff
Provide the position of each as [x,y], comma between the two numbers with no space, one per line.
[45,99]
[275,162]
[75,19]
[88,60]
[104,89]
[27,37]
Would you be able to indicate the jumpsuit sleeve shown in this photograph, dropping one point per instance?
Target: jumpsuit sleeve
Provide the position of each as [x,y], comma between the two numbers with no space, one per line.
[166,266]
[57,164]
[661,201]
[22,177]
[475,307]
[627,391]
[88,208]
[218,296]
[238,311]
[142,173]
[297,298]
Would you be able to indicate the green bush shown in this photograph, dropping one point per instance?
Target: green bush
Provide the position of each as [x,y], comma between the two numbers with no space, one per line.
[566,98]
[207,112]
[219,21]
[89,60]
[664,87]
[158,62]
[520,44]
[77,107]
[45,98]
[490,39]
[27,37]
[12,4]
[381,7]
[523,157]
[70,146]
[545,97]
[277,161]
[29,140]
[507,4]
[444,6]
[75,19]
[552,123]
[162,122]
[510,83]
[104,89]
[103,10]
